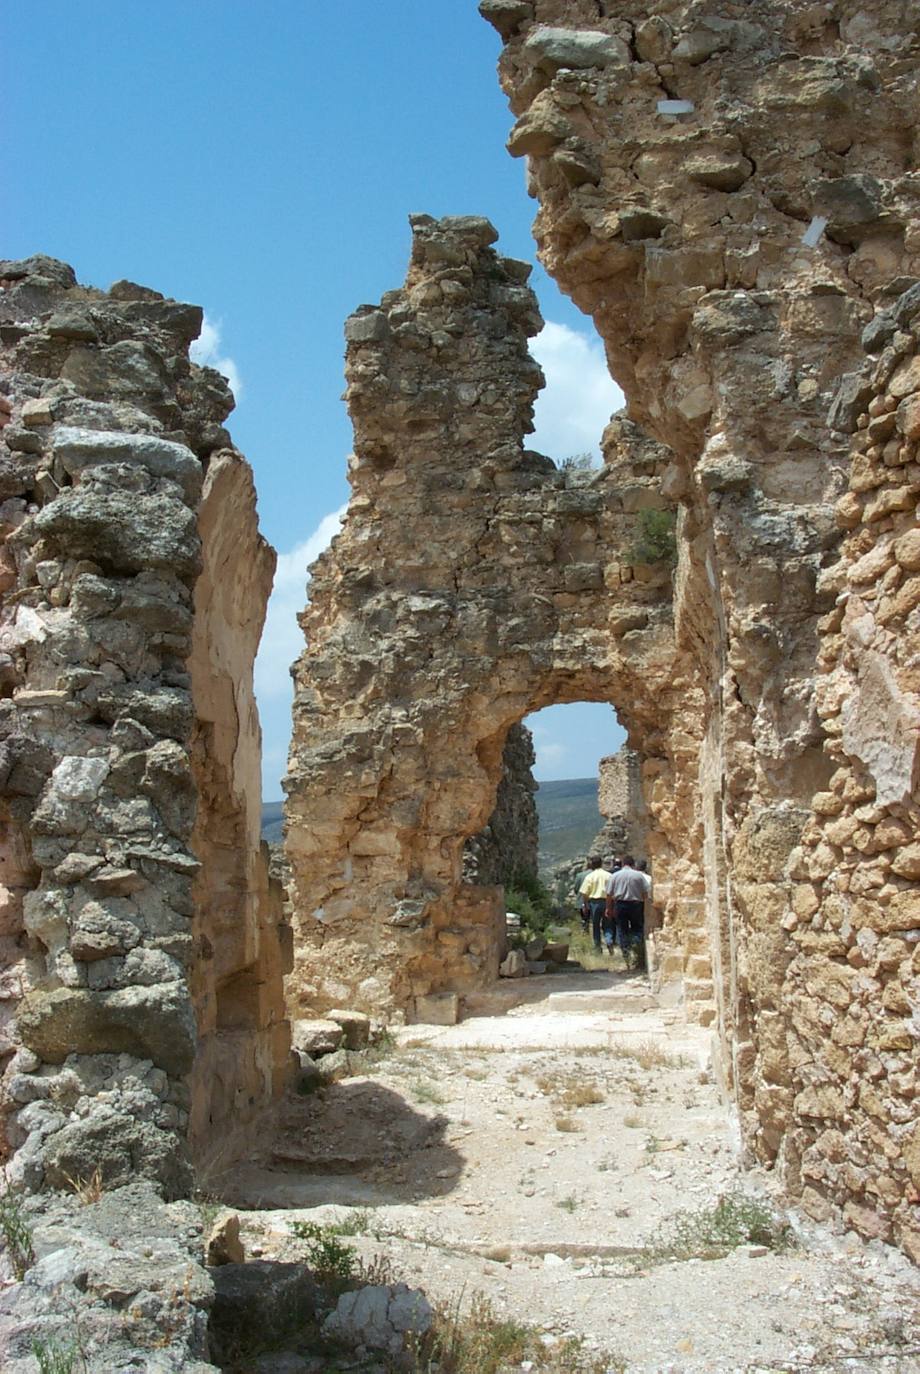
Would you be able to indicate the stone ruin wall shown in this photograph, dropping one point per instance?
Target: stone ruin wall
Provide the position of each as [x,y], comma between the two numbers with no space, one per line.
[685,237]
[472,583]
[141,1001]
[507,847]
[621,803]
[771,695]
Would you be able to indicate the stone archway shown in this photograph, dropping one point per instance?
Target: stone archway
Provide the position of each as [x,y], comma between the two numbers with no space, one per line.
[472,584]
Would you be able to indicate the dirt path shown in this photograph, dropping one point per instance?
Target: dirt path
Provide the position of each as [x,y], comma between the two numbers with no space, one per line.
[535,1156]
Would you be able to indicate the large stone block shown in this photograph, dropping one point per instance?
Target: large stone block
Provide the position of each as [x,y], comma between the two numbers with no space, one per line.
[148,1022]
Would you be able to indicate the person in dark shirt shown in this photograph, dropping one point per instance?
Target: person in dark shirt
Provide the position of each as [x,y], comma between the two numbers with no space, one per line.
[626,894]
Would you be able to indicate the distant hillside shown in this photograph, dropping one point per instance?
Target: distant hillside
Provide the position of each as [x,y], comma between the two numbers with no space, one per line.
[569,819]
[271,821]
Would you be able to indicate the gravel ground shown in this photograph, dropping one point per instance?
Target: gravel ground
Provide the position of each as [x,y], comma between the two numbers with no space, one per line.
[539,1157]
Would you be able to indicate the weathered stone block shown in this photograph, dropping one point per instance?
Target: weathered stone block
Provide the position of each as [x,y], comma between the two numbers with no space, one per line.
[148,1022]
[437,1009]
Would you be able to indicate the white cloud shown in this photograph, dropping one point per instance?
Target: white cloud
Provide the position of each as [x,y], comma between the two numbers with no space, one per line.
[282,641]
[282,638]
[579,397]
[206,351]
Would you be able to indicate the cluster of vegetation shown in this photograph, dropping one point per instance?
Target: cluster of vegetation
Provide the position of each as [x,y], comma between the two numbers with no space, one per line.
[530,899]
[656,538]
[17,1234]
[331,1260]
[577,462]
[712,1232]
[480,1341]
[54,1358]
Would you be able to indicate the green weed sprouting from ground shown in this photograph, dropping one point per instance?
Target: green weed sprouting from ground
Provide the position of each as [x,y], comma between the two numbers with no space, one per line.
[325,1254]
[54,1358]
[570,1203]
[359,1222]
[711,1232]
[17,1234]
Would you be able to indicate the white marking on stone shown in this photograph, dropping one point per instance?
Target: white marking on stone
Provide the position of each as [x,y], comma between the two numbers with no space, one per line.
[675,107]
[814,231]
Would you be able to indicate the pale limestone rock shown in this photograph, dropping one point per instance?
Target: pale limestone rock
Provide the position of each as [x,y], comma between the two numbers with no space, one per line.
[356,1027]
[316,1037]
[223,1244]
[130,756]
[881,726]
[514,964]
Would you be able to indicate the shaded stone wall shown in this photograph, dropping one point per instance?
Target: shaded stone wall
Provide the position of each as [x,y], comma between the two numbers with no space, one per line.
[508,844]
[133,891]
[730,249]
[471,584]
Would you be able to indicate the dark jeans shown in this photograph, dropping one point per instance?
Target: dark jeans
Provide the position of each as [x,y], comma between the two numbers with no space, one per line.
[597,909]
[630,923]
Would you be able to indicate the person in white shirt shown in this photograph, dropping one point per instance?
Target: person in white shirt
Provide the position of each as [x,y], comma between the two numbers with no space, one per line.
[593,889]
[626,893]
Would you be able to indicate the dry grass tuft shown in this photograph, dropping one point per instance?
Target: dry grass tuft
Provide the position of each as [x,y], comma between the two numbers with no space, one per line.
[566,1123]
[565,1092]
[88,1190]
[648,1054]
[582,1095]
[480,1341]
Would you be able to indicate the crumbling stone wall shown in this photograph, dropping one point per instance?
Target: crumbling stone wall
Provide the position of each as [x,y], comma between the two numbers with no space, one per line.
[620,802]
[472,583]
[727,190]
[130,914]
[853,982]
[508,844]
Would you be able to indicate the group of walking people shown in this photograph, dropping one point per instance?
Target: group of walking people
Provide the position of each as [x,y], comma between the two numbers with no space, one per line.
[613,905]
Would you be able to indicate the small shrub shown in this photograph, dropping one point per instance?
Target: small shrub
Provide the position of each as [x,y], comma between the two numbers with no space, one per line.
[54,1358]
[711,1232]
[427,1092]
[533,902]
[568,1204]
[566,1123]
[325,1254]
[17,1234]
[656,537]
[480,1341]
[633,1121]
[359,1222]
[582,1095]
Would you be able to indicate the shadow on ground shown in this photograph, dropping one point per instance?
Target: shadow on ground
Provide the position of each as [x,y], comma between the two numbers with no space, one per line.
[356,1143]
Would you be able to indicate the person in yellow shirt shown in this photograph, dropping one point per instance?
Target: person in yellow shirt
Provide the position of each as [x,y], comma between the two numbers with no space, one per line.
[594,890]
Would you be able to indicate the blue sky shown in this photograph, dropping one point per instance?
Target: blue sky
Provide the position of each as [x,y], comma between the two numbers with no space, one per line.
[261,160]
